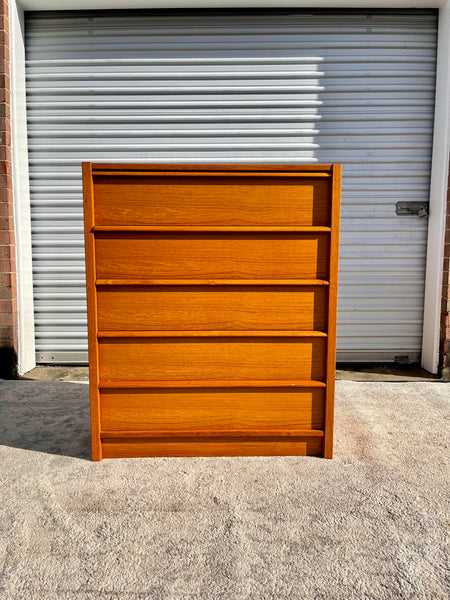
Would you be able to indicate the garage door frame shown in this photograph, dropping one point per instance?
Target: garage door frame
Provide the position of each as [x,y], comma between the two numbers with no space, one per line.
[439,174]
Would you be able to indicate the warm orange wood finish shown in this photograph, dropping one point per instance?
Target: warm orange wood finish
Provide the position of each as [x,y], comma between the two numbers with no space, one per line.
[211,358]
[218,307]
[212,293]
[89,243]
[212,446]
[211,282]
[211,383]
[212,255]
[211,200]
[207,409]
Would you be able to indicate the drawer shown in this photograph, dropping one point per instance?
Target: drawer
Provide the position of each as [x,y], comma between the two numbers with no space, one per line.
[219,307]
[198,199]
[212,409]
[212,358]
[273,446]
[219,256]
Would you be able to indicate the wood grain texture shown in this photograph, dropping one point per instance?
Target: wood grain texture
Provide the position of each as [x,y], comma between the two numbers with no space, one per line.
[211,358]
[240,256]
[174,167]
[212,308]
[211,282]
[202,409]
[215,173]
[208,228]
[212,296]
[252,446]
[332,312]
[211,383]
[89,243]
[210,333]
[212,433]
[186,200]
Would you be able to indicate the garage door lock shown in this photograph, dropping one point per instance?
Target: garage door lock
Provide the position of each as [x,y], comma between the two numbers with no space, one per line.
[419,209]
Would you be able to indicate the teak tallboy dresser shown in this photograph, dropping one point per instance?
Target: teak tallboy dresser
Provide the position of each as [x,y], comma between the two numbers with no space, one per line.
[212,295]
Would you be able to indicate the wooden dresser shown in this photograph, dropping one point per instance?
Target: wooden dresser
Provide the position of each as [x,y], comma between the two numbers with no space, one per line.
[212,296]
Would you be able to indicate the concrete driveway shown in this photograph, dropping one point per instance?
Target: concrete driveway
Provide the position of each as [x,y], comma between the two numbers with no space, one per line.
[370,524]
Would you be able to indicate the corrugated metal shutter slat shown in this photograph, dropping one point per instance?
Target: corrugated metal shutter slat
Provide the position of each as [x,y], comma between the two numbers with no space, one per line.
[289,86]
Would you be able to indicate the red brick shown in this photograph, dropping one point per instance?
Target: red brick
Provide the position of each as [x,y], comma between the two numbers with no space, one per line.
[446,263]
[5,159]
[7,292]
[4,80]
[5,251]
[6,320]
[7,306]
[4,37]
[8,333]
[6,195]
[5,139]
[15,320]
[6,209]
[5,110]
[6,224]
[7,265]
[5,280]
[5,53]
[5,95]
[6,124]
[4,7]
[7,238]
[6,181]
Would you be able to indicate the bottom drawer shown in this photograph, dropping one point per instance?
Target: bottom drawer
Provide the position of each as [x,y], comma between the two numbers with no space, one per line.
[197,409]
[274,446]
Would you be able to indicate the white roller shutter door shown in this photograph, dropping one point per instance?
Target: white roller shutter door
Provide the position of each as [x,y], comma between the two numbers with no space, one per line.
[354,87]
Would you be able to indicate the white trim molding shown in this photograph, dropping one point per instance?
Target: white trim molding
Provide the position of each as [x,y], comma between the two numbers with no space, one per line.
[26,359]
[438,198]
[186,4]
[439,171]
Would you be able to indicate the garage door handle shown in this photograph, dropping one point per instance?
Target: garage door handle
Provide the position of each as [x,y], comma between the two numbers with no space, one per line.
[419,209]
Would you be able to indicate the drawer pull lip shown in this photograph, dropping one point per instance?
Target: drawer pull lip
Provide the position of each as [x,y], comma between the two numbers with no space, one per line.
[211,228]
[291,383]
[167,333]
[217,173]
[211,282]
[214,433]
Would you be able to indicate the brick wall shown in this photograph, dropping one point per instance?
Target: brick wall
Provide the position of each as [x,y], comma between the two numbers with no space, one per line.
[8,287]
[445,315]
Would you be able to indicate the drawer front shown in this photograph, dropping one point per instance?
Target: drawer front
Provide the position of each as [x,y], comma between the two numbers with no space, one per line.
[212,409]
[131,308]
[191,200]
[220,256]
[234,359]
[270,446]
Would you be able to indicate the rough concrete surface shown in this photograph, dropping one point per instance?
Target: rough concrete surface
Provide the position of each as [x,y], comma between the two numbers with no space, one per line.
[350,372]
[369,524]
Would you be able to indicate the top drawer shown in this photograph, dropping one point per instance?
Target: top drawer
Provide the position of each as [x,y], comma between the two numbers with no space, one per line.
[213,200]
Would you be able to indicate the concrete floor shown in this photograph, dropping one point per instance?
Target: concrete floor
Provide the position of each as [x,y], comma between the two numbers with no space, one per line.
[352,372]
[371,524]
